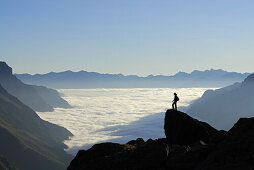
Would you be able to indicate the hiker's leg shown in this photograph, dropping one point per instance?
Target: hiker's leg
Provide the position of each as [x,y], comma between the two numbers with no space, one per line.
[176,106]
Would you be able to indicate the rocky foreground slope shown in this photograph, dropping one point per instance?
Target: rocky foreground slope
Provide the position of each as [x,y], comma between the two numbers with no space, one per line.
[189,144]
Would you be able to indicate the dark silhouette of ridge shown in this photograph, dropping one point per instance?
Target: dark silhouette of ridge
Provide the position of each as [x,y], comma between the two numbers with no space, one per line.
[38,98]
[190,144]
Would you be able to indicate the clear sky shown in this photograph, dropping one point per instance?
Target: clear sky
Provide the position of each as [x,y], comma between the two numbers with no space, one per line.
[127,36]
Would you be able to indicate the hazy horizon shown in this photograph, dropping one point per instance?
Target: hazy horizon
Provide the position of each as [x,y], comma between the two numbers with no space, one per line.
[129,37]
[126,74]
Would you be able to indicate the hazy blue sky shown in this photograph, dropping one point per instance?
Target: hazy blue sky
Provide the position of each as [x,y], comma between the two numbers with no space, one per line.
[127,36]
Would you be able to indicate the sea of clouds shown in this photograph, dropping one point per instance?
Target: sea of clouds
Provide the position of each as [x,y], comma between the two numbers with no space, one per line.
[116,115]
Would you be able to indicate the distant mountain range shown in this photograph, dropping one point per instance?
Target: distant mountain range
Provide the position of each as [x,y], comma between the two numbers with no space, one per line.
[28,142]
[222,107]
[39,98]
[84,79]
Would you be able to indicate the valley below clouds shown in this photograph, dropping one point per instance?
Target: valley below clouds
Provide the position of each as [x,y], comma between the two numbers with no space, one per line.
[116,115]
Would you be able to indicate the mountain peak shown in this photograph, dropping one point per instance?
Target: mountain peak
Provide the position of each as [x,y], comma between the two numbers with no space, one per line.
[249,78]
[5,69]
[248,81]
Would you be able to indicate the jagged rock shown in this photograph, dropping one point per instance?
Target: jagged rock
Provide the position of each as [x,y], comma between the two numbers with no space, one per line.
[182,129]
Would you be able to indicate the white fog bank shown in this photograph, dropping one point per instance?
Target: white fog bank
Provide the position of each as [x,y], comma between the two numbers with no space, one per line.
[116,115]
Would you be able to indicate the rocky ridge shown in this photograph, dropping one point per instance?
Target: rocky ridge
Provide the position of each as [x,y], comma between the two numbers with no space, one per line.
[189,144]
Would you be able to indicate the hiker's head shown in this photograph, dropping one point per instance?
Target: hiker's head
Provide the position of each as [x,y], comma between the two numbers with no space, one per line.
[175,94]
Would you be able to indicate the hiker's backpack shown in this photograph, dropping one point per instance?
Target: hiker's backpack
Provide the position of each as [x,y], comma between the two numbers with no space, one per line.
[177,98]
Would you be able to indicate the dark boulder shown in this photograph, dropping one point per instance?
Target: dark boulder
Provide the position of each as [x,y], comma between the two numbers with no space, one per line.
[182,129]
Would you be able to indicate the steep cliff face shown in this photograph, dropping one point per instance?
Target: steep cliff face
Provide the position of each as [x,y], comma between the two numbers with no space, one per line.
[37,97]
[204,148]
[28,141]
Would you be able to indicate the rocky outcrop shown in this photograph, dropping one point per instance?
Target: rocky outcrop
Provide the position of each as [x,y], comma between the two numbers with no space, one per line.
[182,129]
[38,98]
[190,145]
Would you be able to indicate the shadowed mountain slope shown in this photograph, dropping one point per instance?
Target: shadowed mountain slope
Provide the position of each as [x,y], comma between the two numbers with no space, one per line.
[222,107]
[37,97]
[28,141]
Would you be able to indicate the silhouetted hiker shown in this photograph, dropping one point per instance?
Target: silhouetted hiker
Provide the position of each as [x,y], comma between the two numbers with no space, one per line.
[176,99]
